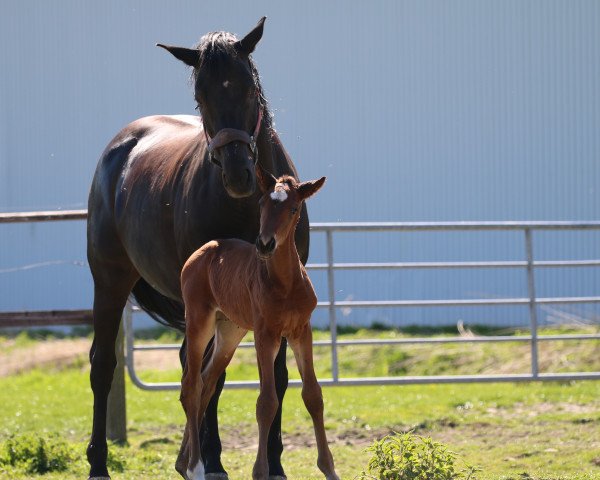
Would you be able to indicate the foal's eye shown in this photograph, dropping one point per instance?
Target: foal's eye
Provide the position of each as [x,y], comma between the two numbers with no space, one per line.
[294,210]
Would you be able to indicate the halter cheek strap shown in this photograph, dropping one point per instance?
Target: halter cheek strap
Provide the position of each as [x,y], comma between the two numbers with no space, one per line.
[228,135]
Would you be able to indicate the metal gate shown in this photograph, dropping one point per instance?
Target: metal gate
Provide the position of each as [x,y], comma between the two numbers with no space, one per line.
[530,299]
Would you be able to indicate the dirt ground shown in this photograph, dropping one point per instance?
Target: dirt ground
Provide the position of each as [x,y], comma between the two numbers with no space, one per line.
[63,353]
[55,353]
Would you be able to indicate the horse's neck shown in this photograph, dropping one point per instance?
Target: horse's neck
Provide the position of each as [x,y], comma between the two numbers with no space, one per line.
[272,156]
[284,268]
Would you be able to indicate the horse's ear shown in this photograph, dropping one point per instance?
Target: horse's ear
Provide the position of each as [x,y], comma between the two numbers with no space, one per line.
[308,189]
[189,56]
[266,181]
[248,43]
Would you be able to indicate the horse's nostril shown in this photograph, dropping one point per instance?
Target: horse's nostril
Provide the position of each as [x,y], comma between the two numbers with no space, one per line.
[265,248]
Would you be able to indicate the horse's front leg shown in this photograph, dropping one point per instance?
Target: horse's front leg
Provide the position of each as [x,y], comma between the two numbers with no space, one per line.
[267,345]
[111,288]
[313,398]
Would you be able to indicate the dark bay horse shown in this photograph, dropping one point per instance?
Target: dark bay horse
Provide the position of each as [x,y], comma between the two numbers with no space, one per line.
[264,288]
[164,186]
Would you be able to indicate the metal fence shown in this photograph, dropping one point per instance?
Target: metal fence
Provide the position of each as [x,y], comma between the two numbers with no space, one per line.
[529,265]
[331,304]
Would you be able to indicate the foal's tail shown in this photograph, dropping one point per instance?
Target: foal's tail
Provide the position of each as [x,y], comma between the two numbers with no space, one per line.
[162,309]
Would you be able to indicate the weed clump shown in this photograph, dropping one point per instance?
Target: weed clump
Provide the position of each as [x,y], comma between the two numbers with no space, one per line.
[406,456]
[35,455]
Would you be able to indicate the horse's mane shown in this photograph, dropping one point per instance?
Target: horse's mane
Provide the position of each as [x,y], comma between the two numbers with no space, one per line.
[291,181]
[215,46]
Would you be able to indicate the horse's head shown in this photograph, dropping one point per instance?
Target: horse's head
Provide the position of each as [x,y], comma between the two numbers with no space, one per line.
[280,207]
[231,103]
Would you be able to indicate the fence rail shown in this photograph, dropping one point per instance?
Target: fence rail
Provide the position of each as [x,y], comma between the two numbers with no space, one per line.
[531,300]
[45,318]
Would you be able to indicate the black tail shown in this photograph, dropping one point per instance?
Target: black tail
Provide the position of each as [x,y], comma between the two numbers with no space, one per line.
[162,309]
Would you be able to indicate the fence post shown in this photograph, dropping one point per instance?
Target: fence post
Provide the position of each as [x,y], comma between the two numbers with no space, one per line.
[332,319]
[116,419]
[532,304]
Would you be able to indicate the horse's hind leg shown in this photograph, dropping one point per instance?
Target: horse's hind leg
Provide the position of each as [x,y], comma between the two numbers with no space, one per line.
[227,337]
[274,442]
[112,286]
[210,441]
[199,329]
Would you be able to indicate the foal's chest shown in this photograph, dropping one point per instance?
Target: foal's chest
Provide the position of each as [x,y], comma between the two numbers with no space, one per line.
[288,316]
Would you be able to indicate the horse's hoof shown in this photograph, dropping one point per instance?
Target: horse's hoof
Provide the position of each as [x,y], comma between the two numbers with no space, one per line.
[277,477]
[216,476]
[98,478]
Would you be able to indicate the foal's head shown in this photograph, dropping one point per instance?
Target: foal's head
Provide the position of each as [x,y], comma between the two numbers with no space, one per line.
[230,101]
[280,207]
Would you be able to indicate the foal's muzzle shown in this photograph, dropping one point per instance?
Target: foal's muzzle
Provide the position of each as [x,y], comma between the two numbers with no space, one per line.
[265,250]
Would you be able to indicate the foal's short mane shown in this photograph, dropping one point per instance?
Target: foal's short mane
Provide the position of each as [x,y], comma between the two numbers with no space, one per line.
[291,181]
[216,46]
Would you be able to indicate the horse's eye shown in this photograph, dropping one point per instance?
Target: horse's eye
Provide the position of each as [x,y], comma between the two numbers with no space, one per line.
[294,210]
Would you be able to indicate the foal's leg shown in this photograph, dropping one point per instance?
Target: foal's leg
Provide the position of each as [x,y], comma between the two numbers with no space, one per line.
[227,337]
[200,321]
[219,354]
[210,442]
[112,286]
[267,346]
[313,398]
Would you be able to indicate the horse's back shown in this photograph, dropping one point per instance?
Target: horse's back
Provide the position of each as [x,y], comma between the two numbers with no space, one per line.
[143,136]
[135,174]
[219,274]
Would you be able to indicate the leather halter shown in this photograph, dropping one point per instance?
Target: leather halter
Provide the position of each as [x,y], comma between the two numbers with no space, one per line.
[228,135]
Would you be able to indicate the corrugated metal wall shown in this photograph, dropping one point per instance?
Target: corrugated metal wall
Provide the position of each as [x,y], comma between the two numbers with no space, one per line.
[415,110]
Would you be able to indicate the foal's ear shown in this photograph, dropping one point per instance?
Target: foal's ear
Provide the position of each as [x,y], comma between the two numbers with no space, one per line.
[248,43]
[266,181]
[308,189]
[189,56]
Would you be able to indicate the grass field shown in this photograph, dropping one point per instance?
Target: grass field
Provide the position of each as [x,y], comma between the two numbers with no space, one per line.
[512,431]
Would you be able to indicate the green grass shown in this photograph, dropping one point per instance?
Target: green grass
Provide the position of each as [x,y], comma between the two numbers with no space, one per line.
[512,431]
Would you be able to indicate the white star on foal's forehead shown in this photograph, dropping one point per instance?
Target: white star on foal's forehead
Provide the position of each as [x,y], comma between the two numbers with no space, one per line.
[279,195]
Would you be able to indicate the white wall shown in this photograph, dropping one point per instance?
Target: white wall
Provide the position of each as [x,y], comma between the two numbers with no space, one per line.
[415,110]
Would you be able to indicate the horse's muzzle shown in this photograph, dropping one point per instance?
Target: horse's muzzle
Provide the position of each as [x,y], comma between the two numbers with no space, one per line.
[265,251]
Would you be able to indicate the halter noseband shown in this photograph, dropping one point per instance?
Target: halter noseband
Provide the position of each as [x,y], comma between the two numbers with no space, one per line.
[228,135]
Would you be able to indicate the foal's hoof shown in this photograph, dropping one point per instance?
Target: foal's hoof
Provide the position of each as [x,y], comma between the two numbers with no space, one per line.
[98,478]
[217,476]
[277,477]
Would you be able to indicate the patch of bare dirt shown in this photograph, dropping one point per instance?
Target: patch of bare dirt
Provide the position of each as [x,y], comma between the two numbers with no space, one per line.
[247,438]
[52,353]
[63,353]
[161,360]
[520,410]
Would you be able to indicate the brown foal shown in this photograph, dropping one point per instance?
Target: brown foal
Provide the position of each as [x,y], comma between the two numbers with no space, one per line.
[264,288]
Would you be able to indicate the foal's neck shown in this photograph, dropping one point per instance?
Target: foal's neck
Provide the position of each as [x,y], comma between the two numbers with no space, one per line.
[284,267]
